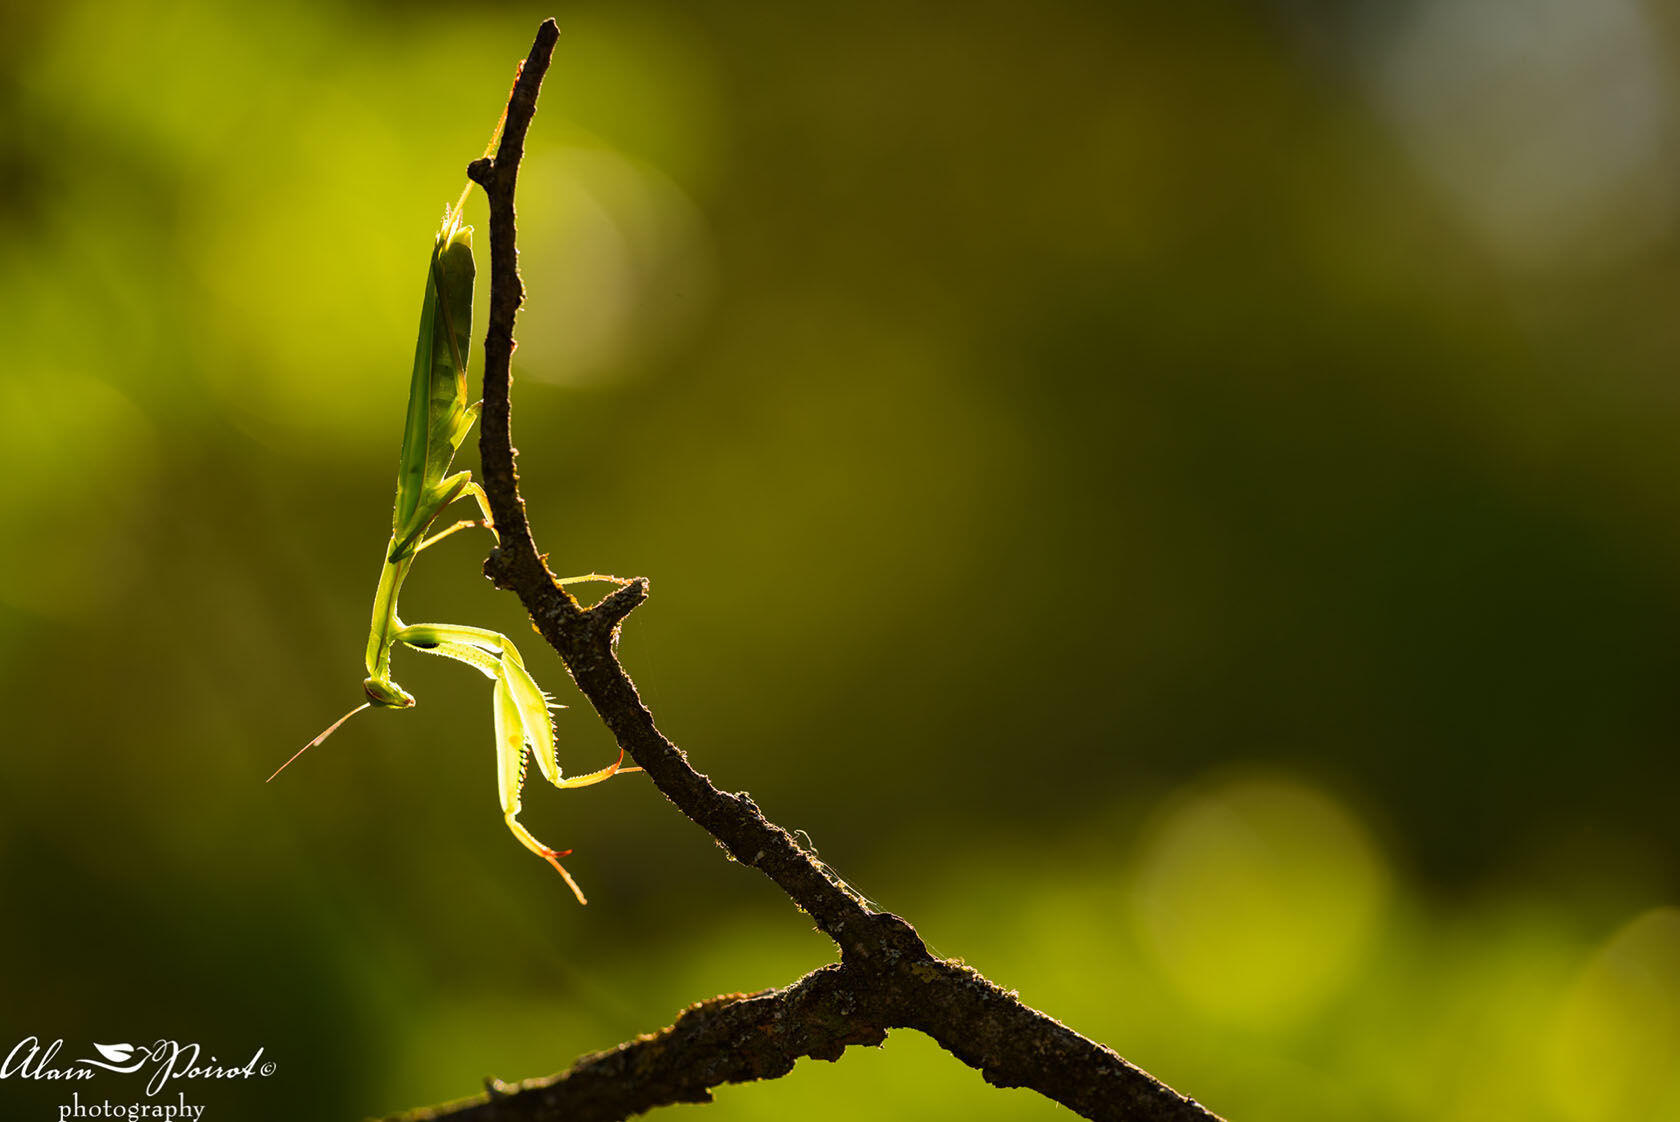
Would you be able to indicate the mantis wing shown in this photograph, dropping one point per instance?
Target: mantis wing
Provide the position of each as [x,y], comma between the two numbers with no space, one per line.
[438,414]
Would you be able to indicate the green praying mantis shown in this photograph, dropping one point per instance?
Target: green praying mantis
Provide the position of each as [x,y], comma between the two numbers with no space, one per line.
[438,420]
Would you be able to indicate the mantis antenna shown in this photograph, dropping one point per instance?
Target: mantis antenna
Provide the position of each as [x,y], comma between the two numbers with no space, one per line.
[332,728]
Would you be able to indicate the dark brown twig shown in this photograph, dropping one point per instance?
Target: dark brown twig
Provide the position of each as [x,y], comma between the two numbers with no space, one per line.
[885,978]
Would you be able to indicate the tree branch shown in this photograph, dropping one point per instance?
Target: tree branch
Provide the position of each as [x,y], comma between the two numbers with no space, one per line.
[885,978]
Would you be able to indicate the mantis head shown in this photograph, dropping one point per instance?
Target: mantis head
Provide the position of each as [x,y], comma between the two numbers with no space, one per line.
[387,694]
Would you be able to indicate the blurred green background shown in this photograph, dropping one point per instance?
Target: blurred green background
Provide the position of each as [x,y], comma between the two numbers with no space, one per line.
[1177,500]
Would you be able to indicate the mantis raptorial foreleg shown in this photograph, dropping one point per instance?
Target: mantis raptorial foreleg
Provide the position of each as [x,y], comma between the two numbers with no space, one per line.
[438,420]
[521,717]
